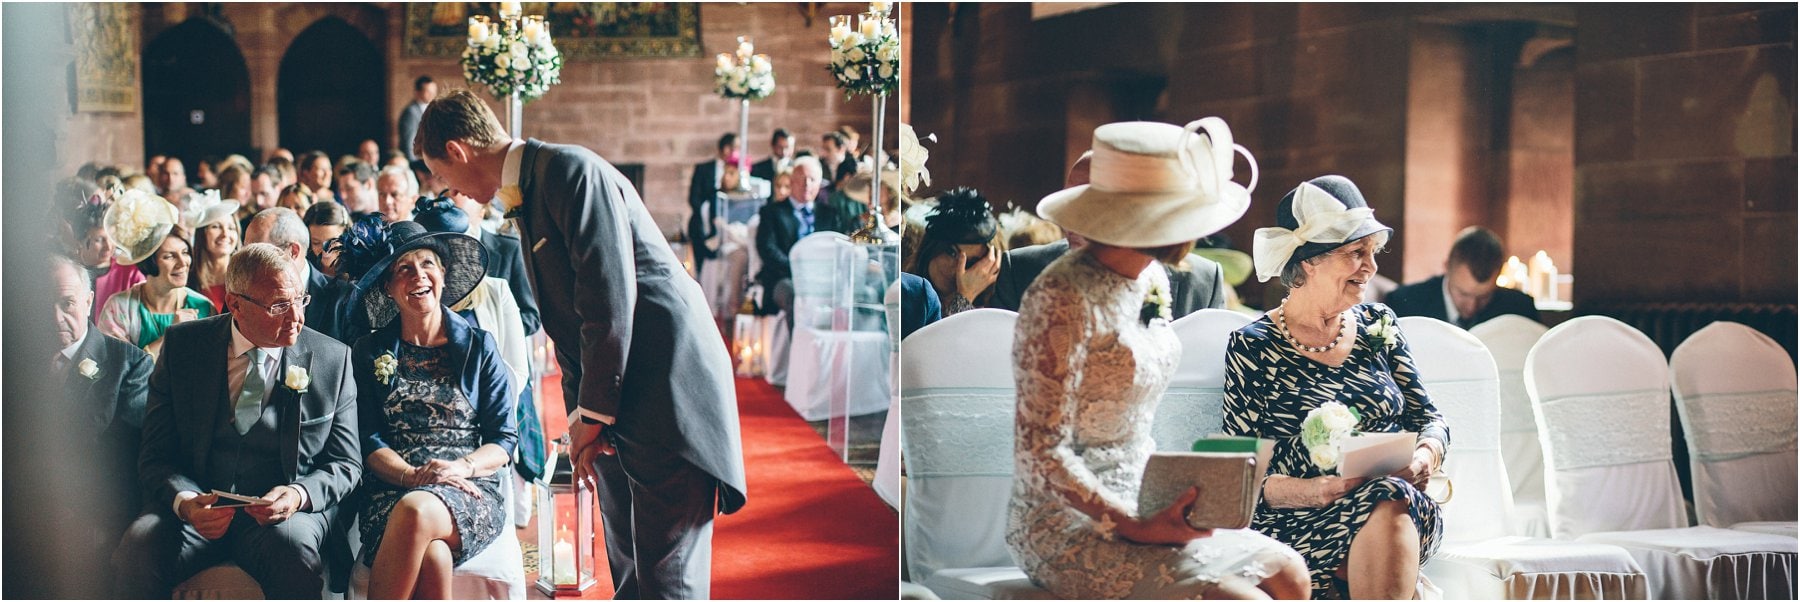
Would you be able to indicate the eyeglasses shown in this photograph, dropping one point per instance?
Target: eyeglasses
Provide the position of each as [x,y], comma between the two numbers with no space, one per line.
[281,308]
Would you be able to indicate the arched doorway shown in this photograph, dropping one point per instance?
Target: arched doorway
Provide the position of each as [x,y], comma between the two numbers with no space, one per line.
[196,94]
[332,91]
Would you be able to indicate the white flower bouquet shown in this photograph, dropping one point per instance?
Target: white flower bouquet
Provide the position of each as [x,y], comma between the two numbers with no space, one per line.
[867,61]
[1324,431]
[508,62]
[751,80]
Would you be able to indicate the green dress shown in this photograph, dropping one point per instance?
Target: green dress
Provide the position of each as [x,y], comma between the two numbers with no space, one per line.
[127,318]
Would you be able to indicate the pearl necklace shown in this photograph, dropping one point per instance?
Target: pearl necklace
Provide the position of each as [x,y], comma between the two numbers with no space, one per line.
[1281,320]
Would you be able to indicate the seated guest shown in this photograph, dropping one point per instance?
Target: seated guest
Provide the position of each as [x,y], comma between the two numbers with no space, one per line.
[265,189]
[394,158]
[727,242]
[284,168]
[1362,538]
[780,186]
[838,160]
[396,193]
[782,224]
[436,405]
[87,239]
[325,222]
[151,236]
[781,155]
[281,227]
[356,188]
[704,186]
[1193,283]
[288,437]
[216,236]
[369,152]
[1466,293]
[918,304]
[172,183]
[297,198]
[315,173]
[105,381]
[960,253]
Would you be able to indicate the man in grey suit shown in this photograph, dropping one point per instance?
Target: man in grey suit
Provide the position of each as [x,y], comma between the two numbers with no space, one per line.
[424,91]
[1191,289]
[646,377]
[251,403]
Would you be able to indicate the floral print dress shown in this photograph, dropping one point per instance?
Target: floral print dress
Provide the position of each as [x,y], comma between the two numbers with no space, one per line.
[1089,372]
[1269,389]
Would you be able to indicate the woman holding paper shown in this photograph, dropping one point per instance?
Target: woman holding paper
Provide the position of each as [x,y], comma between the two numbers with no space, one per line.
[1363,537]
[1093,353]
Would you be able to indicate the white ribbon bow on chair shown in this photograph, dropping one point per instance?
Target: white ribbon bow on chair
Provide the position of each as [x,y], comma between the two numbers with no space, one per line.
[1323,219]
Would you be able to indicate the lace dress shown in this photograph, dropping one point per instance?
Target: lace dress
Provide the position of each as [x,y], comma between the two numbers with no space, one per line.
[428,417]
[1270,387]
[1089,376]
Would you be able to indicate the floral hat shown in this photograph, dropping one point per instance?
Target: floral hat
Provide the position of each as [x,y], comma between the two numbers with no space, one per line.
[138,222]
[370,247]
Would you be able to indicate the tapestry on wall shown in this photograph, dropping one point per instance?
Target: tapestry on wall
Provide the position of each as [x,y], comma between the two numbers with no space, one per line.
[106,69]
[582,30]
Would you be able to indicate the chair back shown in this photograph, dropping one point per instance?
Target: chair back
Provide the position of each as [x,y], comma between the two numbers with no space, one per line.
[1460,377]
[1600,392]
[957,442]
[1734,391]
[1194,404]
[1509,338]
[814,262]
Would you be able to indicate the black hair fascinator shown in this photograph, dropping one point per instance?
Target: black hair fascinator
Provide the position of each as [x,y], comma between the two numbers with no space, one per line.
[962,217]
[364,244]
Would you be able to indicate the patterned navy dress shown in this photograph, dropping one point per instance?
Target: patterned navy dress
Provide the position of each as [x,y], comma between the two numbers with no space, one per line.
[427,417]
[1269,388]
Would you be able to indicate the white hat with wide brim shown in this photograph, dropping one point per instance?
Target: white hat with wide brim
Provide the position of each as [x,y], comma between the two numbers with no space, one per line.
[1155,184]
[138,222]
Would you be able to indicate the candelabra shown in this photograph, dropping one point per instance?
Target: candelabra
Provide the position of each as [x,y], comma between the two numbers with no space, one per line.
[513,57]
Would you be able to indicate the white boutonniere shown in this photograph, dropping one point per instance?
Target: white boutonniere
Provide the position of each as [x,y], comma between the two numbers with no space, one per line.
[1157,304]
[89,369]
[297,378]
[1383,332]
[385,367]
[1324,431]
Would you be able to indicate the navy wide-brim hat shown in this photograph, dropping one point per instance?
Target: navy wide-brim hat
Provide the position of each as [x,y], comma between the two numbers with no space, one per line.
[1345,191]
[463,257]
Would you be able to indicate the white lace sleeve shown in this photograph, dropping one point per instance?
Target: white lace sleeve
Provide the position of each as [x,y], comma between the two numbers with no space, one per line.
[1050,353]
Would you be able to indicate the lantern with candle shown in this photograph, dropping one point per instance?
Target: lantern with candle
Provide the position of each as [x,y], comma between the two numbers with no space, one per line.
[565,530]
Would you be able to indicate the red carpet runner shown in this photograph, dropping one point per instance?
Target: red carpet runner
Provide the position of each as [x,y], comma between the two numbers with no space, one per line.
[811,528]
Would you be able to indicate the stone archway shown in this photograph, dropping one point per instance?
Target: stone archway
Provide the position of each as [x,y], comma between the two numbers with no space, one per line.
[331,89]
[196,93]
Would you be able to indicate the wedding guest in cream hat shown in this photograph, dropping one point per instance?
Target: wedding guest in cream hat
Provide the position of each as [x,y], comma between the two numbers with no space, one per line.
[1323,349]
[1093,353]
[217,235]
[148,231]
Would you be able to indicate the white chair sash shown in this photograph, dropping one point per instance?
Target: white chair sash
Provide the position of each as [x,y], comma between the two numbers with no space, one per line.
[1606,429]
[958,432]
[958,450]
[1186,414]
[1727,426]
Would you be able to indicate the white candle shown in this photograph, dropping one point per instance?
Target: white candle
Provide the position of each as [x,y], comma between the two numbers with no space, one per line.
[563,559]
[532,28]
[870,26]
[880,7]
[508,8]
[478,30]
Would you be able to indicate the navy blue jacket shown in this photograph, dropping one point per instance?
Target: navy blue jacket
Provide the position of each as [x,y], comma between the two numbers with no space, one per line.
[483,377]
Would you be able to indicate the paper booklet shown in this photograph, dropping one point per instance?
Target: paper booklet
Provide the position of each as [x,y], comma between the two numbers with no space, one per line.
[1376,454]
[1228,470]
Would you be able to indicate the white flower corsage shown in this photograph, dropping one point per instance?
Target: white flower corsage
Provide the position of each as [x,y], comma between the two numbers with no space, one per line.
[1157,304]
[89,369]
[1324,431]
[1383,332]
[297,378]
[385,367]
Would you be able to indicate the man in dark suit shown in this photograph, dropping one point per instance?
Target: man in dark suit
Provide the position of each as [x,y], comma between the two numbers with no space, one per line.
[703,187]
[839,160]
[783,224]
[781,154]
[1466,293]
[658,435]
[283,228]
[251,403]
[104,382]
[1192,289]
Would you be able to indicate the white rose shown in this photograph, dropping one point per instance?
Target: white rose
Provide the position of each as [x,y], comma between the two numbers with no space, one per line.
[501,72]
[88,369]
[856,55]
[1326,458]
[854,39]
[519,51]
[852,74]
[503,61]
[297,378]
[887,72]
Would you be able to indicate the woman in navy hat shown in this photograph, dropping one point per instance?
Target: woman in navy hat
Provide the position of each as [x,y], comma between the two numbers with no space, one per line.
[435,408]
[1362,538]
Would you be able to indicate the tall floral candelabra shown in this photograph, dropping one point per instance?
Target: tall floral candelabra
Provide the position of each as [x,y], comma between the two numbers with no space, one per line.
[744,76]
[514,58]
[865,59]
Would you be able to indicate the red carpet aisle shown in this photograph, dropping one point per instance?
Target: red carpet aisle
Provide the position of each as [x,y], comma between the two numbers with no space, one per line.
[811,530]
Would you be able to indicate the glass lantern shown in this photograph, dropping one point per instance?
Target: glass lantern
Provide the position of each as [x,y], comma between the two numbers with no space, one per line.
[565,530]
[747,341]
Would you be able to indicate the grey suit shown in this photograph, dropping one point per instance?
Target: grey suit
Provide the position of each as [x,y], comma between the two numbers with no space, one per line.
[308,438]
[110,406]
[636,342]
[1191,290]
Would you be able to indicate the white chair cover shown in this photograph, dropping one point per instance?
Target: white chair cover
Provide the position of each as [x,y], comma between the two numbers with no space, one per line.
[1509,338]
[497,573]
[777,344]
[957,441]
[1194,404]
[825,358]
[887,465]
[1600,392]
[1735,390]
[1479,557]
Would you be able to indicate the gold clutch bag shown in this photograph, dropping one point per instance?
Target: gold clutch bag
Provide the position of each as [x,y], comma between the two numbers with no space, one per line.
[1228,487]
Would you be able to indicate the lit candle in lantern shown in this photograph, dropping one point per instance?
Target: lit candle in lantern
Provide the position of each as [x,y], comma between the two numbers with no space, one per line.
[881,7]
[563,558]
[840,28]
[533,25]
[871,25]
[1543,276]
[478,28]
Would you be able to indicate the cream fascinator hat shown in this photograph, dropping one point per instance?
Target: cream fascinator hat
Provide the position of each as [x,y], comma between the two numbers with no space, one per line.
[139,221]
[1319,215]
[206,208]
[1154,184]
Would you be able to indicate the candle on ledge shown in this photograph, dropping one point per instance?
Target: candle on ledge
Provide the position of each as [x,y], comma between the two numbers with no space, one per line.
[533,25]
[563,559]
[881,7]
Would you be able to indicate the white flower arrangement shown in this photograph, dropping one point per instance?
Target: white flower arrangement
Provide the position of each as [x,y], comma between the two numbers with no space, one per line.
[297,378]
[385,367]
[1324,431]
[736,80]
[507,62]
[866,64]
[912,160]
[1158,303]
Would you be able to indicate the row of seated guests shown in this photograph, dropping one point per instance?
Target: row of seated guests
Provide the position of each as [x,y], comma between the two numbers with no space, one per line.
[303,292]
